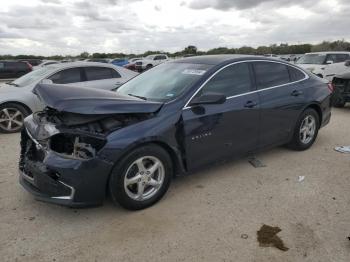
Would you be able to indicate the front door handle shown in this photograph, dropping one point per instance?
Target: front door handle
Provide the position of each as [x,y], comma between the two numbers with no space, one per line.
[296,93]
[250,104]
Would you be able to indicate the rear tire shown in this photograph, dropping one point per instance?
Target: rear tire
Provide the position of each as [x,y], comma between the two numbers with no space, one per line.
[141,178]
[305,131]
[12,117]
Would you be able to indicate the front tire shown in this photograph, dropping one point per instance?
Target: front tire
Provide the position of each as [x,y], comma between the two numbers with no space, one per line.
[306,130]
[141,178]
[12,117]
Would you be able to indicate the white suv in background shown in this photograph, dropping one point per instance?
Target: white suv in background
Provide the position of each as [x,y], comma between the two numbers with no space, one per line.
[318,62]
[150,61]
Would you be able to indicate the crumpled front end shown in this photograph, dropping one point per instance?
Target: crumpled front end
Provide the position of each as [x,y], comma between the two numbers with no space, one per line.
[61,160]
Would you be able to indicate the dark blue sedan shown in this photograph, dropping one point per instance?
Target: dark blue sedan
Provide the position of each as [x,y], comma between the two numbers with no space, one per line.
[170,120]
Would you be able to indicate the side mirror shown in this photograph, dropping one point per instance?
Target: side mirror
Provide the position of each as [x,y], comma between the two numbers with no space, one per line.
[329,62]
[46,81]
[209,98]
[347,63]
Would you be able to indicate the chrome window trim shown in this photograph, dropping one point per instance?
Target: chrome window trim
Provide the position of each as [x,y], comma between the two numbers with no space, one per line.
[251,92]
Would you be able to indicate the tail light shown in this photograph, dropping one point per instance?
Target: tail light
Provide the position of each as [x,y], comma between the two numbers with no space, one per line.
[30,66]
[331,87]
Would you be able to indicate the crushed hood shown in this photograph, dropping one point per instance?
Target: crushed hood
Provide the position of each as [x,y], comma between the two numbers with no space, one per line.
[91,101]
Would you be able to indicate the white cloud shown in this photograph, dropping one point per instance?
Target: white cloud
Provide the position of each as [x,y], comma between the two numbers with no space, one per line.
[50,27]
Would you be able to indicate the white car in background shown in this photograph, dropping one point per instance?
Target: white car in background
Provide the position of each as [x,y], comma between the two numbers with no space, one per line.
[334,69]
[318,62]
[45,63]
[17,99]
[150,61]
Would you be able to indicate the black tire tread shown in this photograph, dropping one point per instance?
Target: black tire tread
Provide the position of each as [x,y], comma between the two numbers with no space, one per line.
[295,143]
[20,107]
[116,181]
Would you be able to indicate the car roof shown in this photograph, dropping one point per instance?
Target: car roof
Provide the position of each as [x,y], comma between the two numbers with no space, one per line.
[12,61]
[329,52]
[78,64]
[220,59]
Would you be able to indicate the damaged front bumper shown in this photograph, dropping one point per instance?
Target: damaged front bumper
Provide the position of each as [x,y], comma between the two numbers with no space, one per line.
[51,177]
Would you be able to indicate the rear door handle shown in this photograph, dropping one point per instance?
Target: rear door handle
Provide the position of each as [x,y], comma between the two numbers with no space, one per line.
[250,104]
[296,93]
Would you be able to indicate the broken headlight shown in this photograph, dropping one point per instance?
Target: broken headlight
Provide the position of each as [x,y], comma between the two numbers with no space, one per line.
[76,146]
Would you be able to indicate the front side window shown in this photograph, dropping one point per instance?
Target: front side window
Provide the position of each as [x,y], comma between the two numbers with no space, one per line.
[67,76]
[100,73]
[2,65]
[269,74]
[232,80]
[150,57]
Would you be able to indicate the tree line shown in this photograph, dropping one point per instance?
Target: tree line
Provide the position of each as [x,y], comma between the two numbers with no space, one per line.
[281,49]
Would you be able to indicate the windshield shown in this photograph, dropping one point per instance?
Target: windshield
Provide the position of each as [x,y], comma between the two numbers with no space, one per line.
[164,82]
[150,57]
[32,77]
[317,59]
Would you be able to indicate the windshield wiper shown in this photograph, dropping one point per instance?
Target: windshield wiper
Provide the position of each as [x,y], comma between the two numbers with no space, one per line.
[12,84]
[141,97]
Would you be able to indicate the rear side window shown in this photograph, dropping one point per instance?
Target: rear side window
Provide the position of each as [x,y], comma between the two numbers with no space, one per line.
[22,65]
[2,65]
[269,74]
[233,80]
[295,74]
[67,76]
[99,73]
[337,58]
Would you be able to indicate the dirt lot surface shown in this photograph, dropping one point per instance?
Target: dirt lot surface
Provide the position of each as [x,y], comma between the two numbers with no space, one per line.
[213,215]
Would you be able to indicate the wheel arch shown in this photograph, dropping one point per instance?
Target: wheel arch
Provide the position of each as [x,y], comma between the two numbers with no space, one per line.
[318,109]
[176,159]
[18,103]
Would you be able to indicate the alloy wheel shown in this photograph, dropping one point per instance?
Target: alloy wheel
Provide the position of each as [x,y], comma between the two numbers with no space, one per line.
[307,129]
[144,178]
[11,119]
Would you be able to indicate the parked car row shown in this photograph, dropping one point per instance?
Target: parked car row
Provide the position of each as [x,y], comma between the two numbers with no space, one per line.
[170,120]
[14,69]
[18,101]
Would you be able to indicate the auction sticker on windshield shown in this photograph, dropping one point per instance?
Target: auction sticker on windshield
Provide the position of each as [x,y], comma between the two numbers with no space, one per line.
[193,72]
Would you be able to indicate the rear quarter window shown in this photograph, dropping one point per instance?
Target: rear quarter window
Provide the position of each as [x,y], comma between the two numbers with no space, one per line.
[22,65]
[270,74]
[295,74]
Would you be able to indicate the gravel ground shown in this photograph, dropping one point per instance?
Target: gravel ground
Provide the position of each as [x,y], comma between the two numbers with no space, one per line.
[213,215]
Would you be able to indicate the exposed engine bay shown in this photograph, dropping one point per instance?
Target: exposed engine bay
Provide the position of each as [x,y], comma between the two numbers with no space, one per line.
[79,136]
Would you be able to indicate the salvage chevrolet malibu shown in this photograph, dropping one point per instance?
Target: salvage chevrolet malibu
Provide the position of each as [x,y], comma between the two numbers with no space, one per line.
[170,120]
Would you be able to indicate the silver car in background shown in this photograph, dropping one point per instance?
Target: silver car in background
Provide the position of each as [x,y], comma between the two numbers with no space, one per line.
[17,99]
